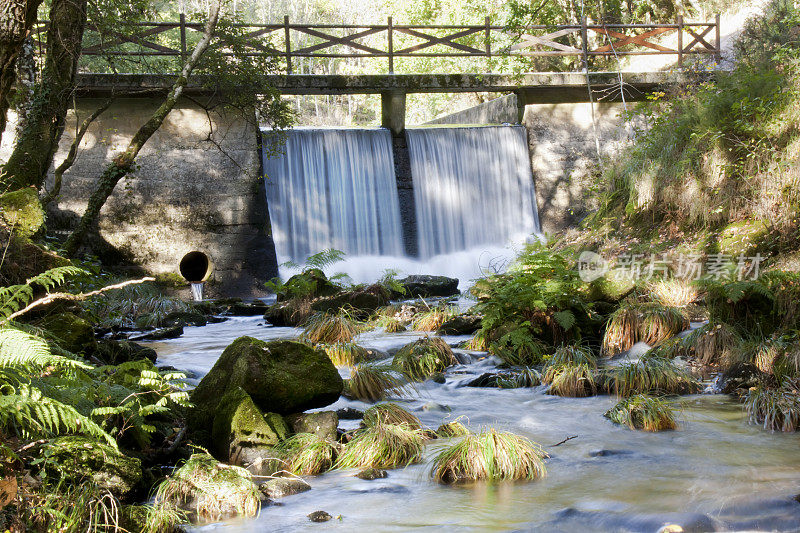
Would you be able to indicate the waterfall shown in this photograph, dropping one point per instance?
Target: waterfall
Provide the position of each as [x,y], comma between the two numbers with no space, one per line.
[334,188]
[473,187]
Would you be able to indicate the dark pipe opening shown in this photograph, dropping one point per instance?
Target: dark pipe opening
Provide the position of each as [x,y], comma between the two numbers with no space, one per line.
[195,267]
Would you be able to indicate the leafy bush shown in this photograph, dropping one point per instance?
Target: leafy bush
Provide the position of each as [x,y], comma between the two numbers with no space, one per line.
[489,455]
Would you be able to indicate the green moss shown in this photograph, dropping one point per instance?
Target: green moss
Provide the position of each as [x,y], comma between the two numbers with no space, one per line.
[742,238]
[22,210]
[280,376]
[70,332]
[238,422]
[78,460]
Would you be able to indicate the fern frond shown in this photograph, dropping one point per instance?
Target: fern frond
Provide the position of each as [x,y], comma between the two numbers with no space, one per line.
[55,276]
[21,349]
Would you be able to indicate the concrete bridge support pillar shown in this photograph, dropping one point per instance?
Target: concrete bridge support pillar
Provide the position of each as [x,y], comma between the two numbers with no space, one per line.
[393,118]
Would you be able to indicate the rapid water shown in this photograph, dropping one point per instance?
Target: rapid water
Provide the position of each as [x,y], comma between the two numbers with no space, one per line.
[473,187]
[334,188]
[715,473]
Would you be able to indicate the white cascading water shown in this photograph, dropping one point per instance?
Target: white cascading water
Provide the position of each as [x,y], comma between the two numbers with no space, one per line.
[334,188]
[473,188]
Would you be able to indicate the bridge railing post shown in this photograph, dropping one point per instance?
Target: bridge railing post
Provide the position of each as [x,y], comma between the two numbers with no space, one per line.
[183,37]
[390,44]
[288,44]
[585,44]
[680,40]
[717,40]
[488,44]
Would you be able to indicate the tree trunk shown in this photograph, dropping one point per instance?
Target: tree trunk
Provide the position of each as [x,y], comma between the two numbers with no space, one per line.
[16,20]
[123,162]
[28,164]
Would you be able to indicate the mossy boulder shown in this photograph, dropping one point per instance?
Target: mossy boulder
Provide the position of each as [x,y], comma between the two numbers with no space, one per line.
[289,313]
[70,332]
[184,318]
[610,289]
[322,424]
[280,376]
[361,302]
[112,352]
[239,423]
[460,325]
[312,283]
[425,286]
[79,460]
[742,238]
[22,211]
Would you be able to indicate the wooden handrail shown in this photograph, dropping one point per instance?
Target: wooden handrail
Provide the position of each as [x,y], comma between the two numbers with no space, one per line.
[391,41]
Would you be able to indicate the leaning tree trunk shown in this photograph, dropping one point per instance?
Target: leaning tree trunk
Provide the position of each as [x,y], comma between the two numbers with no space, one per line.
[38,141]
[16,20]
[123,162]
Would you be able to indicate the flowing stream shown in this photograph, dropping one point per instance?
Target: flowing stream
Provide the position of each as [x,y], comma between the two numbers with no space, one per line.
[715,473]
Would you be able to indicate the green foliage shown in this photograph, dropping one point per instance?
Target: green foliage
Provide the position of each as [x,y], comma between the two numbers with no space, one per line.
[647,322]
[424,358]
[643,412]
[389,281]
[452,429]
[433,318]
[570,379]
[390,413]
[382,445]
[714,343]
[776,409]
[347,353]
[139,306]
[539,300]
[490,455]
[16,297]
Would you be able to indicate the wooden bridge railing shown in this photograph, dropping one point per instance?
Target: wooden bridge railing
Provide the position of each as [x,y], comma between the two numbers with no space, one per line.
[390,41]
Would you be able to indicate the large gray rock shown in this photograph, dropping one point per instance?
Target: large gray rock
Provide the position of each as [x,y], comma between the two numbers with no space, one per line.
[460,325]
[322,424]
[284,486]
[279,376]
[424,286]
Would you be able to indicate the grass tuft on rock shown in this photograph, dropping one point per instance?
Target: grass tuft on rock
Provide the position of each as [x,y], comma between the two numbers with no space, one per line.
[673,292]
[423,358]
[775,409]
[490,455]
[575,380]
[330,328]
[215,489]
[307,454]
[382,445]
[477,343]
[714,343]
[390,413]
[519,378]
[370,383]
[432,319]
[643,412]
[647,322]
[649,375]
[347,353]
[452,429]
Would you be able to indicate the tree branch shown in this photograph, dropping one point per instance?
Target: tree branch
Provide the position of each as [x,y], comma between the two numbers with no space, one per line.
[55,296]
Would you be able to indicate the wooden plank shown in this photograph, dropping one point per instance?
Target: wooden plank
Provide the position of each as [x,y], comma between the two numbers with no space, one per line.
[546,40]
[447,40]
[698,39]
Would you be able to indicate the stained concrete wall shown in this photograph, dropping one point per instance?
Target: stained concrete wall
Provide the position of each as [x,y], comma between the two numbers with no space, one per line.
[562,146]
[196,187]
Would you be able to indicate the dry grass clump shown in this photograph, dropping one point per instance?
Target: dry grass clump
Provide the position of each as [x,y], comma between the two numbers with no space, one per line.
[370,383]
[328,328]
[452,429]
[423,358]
[574,380]
[673,292]
[573,354]
[643,412]
[390,413]
[432,319]
[307,454]
[714,343]
[392,325]
[647,322]
[776,409]
[649,375]
[382,445]
[490,455]
[216,489]
[347,353]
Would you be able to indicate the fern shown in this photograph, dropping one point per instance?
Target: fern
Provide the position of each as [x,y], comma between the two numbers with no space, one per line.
[325,258]
[16,297]
[565,319]
[21,349]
